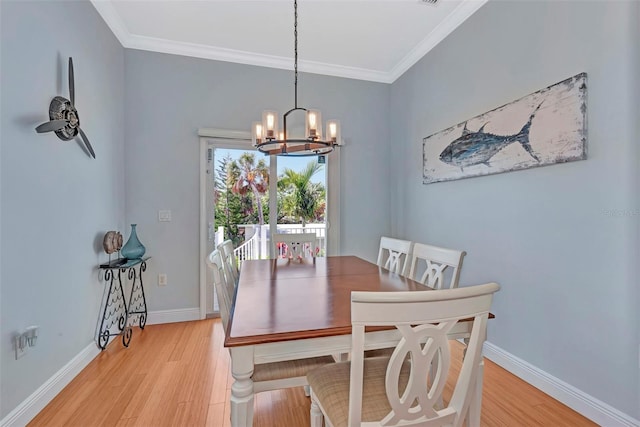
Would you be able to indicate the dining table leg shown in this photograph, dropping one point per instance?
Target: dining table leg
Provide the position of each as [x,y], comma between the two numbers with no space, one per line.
[242,388]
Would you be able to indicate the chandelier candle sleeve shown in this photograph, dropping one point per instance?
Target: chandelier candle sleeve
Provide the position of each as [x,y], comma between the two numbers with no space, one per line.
[314,124]
[270,124]
[333,131]
[257,135]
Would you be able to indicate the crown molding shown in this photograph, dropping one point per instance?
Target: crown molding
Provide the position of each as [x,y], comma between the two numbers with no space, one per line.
[251,58]
[113,20]
[446,27]
[132,41]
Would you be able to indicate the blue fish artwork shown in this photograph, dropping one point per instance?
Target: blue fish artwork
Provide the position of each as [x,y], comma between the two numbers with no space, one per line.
[474,148]
[546,127]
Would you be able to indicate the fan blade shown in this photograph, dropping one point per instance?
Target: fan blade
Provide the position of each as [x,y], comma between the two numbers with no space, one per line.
[87,143]
[72,89]
[52,125]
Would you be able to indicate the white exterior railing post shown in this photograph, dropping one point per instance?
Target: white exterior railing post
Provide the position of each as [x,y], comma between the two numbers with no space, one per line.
[219,236]
[258,246]
[264,250]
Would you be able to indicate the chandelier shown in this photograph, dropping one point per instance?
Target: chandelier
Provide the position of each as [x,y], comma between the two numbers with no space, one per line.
[268,140]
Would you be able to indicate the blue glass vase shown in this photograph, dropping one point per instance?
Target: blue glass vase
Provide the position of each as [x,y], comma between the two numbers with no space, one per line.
[133,249]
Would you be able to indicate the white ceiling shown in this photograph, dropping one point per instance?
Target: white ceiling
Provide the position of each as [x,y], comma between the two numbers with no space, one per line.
[375,40]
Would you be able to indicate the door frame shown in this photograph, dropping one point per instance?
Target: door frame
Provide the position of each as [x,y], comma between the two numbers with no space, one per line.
[224,138]
[210,138]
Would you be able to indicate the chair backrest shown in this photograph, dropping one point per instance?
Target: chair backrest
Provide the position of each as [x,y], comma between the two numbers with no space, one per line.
[223,289]
[423,318]
[230,261]
[394,254]
[294,245]
[435,261]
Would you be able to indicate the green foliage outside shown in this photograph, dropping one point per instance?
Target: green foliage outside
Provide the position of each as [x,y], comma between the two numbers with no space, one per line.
[241,195]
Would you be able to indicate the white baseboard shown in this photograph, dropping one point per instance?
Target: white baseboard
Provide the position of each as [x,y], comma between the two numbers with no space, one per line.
[172,316]
[40,398]
[590,407]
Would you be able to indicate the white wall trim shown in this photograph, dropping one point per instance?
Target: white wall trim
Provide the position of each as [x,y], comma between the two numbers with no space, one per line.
[113,20]
[204,229]
[133,41]
[40,398]
[32,405]
[446,27]
[173,316]
[587,405]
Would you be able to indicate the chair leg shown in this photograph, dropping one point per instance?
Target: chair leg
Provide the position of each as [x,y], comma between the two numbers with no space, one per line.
[475,406]
[317,418]
[307,390]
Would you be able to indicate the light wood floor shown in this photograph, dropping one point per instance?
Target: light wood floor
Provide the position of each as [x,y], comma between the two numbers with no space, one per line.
[178,375]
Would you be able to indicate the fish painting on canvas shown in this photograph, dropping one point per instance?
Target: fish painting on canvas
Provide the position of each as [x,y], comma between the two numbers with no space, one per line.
[474,148]
[545,127]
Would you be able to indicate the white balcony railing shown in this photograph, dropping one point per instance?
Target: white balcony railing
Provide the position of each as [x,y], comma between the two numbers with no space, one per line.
[258,244]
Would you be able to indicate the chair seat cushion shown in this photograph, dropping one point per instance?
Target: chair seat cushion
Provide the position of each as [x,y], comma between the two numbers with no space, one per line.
[330,384]
[289,368]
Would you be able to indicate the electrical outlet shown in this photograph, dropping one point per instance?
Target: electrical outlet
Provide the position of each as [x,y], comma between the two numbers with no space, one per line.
[20,344]
[162,279]
[164,216]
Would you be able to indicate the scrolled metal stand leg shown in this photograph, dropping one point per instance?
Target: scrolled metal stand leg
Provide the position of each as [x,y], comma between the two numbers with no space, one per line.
[103,336]
[126,336]
[143,315]
[132,276]
[126,333]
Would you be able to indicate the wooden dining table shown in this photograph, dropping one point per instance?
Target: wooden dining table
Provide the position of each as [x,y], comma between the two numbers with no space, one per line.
[286,309]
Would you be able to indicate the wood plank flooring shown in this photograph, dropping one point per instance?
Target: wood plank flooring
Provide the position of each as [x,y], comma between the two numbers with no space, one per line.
[178,374]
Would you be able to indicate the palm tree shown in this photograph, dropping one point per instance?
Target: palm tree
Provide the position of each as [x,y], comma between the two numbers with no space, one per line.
[304,195]
[248,176]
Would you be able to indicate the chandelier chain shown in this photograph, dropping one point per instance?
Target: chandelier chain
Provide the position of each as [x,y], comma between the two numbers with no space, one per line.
[269,141]
[295,49]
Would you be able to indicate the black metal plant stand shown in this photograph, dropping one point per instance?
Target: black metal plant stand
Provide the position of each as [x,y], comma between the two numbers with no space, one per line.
[116,308]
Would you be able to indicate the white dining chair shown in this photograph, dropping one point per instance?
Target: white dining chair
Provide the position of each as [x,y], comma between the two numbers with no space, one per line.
[394,254]
[296,244]
[266,376]
[429,263]
[230,260]
[223,289]
[396,391]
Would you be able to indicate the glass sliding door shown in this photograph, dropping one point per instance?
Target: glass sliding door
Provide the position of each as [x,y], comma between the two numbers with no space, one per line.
[302,199]
[241,201]
[236,203]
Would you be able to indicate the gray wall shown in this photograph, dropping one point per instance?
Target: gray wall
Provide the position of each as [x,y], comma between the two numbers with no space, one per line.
[561,240]
[548,235]
[56,201]
[169,98]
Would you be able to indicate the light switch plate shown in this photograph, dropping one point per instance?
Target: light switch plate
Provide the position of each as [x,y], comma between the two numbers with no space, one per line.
[164,216]
[162,279]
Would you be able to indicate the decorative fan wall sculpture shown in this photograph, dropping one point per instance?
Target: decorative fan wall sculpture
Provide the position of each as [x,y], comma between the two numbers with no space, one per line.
[64,119]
